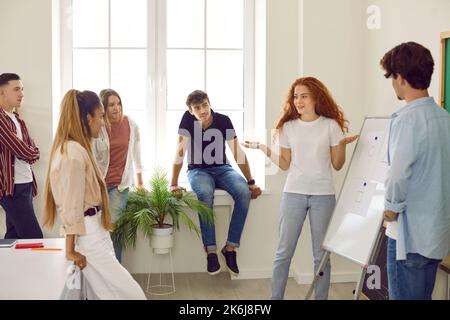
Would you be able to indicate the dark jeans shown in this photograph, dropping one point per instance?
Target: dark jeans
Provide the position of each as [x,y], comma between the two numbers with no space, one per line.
[410,279]
[21,221]
[203,182]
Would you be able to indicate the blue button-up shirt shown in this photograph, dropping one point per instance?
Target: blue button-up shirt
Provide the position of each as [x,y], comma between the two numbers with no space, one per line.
[418,182]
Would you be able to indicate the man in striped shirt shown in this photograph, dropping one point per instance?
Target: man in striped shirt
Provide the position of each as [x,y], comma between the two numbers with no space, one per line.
[17,154]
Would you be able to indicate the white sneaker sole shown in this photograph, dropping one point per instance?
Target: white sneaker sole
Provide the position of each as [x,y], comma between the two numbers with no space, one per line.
[232,272]
[215,272]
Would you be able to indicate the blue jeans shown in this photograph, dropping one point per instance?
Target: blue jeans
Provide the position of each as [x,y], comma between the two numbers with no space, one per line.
[203,182]
[294,208]
[21,221]
[410,279]
[117,201]
[391,262]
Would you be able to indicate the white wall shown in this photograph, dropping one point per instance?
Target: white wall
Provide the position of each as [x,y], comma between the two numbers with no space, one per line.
[259,239]
[339,49]
[402,21]
[26,50]
[29,53]
[333,44]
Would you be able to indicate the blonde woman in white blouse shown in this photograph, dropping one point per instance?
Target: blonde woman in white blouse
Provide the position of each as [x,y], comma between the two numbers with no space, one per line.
[76,192]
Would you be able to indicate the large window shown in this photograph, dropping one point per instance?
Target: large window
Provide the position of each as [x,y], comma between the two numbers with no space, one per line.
[154,53]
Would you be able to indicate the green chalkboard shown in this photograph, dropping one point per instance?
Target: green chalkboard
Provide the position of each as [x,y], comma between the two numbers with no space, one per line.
[447,76]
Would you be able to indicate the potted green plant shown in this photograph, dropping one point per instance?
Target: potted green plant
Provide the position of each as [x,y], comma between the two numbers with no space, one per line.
[149,210]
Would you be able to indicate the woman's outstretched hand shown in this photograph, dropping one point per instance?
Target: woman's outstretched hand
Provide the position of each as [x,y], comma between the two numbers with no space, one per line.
[348,140]
[251,144]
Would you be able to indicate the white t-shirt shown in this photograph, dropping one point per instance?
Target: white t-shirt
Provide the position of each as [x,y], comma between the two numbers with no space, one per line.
[310,142]
[391,229]
[22,170]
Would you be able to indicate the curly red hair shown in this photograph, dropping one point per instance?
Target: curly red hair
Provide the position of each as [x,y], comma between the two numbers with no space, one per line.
[325,104]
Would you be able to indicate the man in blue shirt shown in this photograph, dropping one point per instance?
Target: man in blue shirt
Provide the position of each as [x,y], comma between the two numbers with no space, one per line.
[417,199]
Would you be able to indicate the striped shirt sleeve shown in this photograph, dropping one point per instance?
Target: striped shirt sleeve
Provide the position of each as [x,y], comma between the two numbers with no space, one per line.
[17,147]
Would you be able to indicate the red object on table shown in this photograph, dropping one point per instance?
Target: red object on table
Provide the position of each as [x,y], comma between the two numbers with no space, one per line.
[29,245]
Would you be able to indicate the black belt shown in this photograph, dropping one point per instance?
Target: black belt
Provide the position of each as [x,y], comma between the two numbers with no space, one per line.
[92,211]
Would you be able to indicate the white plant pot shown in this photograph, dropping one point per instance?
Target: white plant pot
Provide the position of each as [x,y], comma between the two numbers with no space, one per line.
[162,239]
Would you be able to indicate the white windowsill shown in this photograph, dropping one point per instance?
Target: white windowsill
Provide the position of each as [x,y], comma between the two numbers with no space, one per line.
[222,198]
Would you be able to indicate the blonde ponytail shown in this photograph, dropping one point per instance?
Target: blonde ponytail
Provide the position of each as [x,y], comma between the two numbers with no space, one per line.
[72,128]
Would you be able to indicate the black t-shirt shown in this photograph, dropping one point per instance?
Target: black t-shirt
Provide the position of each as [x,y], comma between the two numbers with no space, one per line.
[206,148]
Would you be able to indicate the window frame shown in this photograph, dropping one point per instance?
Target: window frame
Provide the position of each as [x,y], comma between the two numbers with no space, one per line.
[155,105]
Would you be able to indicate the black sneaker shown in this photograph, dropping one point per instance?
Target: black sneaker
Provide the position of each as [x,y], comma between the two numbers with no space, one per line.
[230,259]
[213,263]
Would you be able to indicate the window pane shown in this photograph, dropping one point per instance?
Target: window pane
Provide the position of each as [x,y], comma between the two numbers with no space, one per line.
[237,118]
[90,23]
[173,119]
[225,24]
[225,79]
[128,23]
[90,69]
[185,73]
[140,117]
[129,76]
[185,23]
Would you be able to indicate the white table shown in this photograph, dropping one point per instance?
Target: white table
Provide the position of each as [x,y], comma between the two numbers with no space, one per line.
[34,275]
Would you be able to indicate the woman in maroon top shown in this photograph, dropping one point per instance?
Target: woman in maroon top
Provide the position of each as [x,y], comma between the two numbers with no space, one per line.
[118,154]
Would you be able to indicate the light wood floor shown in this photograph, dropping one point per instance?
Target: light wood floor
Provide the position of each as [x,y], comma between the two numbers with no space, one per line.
[201,286]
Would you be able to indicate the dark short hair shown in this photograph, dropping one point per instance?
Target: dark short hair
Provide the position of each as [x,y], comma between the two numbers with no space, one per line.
[88,102]
[412,61]
[6,77]
[196,97]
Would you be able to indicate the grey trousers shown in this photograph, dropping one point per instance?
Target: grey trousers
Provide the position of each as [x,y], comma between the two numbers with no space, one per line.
[294,208]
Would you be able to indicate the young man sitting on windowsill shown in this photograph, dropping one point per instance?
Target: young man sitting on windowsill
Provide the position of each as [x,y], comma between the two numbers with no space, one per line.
[203,133]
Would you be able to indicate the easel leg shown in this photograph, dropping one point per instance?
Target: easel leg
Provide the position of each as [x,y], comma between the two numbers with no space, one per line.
[360,284]
[373,257]
[318,274]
